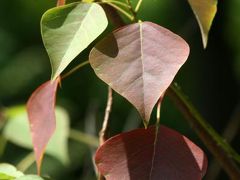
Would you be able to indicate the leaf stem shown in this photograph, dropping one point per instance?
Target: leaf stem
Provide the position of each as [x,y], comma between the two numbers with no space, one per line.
[129,16]
[138,6]
[74,69]
[26,162]
[61,2]
[103,134]
[132,11]
[117,2]
[222,151]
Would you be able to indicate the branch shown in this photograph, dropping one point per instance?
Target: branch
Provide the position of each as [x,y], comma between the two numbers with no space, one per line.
[213,141]
[103,134]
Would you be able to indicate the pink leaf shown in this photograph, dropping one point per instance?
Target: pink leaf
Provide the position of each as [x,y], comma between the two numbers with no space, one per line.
[136,155]
[41,115]
[139,61]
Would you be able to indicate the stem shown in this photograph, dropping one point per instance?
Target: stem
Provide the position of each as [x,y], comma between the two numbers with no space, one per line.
[74,69]
[130,17]
[61,2]
[117,2]
[216,145]
[84,138]
[138,6]
[132,11]
[103,134]
[26,162]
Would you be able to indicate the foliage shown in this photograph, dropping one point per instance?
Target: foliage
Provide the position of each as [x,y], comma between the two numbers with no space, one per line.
[139,61]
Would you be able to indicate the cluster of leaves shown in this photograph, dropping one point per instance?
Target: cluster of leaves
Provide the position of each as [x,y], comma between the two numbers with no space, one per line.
[139,61]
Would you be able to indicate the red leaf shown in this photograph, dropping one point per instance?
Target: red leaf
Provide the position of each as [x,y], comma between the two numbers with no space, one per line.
[41,115]
[136,155]
[139,61]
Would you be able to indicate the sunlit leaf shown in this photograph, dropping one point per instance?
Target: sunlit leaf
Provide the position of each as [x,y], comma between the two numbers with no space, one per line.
[139,61]
[204,11]
[68,30]
[9,172]
[18,123]
[30,177]
[136,155]
[41,115]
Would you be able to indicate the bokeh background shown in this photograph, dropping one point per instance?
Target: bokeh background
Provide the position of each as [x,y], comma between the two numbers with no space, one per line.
[210,78]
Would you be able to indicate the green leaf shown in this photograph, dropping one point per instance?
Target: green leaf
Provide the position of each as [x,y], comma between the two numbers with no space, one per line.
[9,172]
[30,177]
[17,131]
[5,177]
[205,11]
[68,30]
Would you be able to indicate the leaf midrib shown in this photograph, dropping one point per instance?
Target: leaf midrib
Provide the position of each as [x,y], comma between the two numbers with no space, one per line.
[143,69]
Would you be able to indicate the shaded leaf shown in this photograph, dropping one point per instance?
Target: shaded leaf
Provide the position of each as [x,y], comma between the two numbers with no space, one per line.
[139,61]
[9,172]
[136,155]
[18,123]
[41,115]
[68,30]
[205,11]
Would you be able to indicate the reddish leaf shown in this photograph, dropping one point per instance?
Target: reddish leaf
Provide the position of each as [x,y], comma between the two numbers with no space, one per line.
[132,155]
[41,115]
[139,61]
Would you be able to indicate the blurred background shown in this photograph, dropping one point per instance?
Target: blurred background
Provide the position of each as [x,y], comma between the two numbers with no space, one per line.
[210,78]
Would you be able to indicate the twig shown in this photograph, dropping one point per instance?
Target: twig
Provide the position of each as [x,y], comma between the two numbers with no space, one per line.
[103,134]
[215,144]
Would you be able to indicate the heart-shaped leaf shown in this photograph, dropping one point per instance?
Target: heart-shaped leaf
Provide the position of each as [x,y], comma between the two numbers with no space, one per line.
[17,122]
[205,11]
[138,155]
[139,61]
[68,30]
[41,115]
